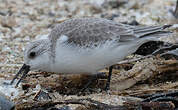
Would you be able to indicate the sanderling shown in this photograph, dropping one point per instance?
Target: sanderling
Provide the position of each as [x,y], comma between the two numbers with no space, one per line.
[86,45]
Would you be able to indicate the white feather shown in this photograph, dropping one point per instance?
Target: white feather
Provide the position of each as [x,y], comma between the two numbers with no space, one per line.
[63,38]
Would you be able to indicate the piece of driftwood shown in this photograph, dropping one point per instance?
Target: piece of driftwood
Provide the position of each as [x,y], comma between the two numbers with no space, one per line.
[149,105]
[89,104]
[141,71]
[142,93]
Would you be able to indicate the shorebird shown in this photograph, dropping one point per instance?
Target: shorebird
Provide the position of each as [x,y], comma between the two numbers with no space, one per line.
[86,45]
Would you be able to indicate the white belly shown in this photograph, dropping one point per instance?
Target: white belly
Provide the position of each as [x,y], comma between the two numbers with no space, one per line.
[77,60]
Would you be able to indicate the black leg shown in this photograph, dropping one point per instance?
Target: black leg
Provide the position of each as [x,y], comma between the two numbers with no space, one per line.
[109,78]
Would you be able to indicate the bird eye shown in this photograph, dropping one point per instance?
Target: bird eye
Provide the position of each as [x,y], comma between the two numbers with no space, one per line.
[32,54]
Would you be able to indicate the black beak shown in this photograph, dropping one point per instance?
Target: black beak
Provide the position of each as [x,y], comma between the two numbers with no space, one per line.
[24,70]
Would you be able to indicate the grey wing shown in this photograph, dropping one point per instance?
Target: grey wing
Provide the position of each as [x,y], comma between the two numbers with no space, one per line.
[101,32]
[98,32]
[87,31]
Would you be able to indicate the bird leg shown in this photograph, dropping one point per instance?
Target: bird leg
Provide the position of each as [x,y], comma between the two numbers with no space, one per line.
[109,78]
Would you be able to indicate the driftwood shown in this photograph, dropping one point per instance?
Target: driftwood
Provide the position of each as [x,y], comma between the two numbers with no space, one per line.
[143,70]
[89,104]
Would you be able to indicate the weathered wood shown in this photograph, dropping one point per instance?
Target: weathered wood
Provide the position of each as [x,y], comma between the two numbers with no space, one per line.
[89,104]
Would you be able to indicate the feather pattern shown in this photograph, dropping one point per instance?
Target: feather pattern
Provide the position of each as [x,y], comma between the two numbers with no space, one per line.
[82,31]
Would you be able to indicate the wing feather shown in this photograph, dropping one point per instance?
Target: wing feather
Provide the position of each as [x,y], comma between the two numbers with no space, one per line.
[87,31]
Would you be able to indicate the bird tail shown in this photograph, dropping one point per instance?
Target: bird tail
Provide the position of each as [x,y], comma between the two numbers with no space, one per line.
[151,31]
[144,33]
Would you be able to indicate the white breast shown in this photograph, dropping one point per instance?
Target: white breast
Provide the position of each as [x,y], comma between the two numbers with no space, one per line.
[70,59]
